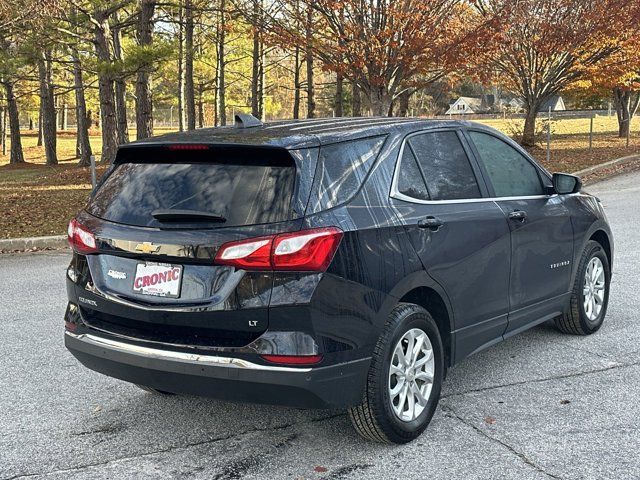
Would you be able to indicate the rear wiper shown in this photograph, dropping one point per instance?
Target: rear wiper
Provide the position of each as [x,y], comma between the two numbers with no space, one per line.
[175,215]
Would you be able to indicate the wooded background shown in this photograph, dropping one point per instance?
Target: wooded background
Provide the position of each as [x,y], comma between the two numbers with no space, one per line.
[110,65]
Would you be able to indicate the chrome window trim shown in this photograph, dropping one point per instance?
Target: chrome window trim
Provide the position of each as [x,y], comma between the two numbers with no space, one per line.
[395,193]
[148,352]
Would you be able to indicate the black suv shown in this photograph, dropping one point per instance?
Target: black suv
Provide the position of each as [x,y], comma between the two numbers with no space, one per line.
[328,263]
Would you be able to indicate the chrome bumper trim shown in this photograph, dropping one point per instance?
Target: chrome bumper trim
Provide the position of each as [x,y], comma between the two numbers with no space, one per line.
[211,360]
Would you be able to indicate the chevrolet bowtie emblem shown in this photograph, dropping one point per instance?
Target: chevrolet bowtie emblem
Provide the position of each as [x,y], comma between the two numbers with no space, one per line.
[147,247]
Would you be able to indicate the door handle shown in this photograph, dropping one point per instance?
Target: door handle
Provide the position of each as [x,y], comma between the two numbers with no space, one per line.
[432,223]
[519,215]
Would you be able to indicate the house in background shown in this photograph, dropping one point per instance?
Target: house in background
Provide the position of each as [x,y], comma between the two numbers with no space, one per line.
[465,106]
[556,103]
[476,105]
[488,104]
[515,105]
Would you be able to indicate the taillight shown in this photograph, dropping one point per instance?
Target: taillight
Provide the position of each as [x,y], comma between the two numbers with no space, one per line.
[293,359]
[306,250]
[80,238]
[254,253]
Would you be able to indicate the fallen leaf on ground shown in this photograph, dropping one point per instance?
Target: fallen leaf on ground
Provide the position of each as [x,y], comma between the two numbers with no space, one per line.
[489,420]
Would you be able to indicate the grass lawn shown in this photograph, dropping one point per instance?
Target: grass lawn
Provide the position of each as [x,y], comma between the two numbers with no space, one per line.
[39,200]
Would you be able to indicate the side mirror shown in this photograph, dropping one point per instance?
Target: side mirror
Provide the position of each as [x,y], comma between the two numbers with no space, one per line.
[563,183]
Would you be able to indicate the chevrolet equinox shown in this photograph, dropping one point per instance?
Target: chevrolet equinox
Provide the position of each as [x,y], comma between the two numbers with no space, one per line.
[328,263]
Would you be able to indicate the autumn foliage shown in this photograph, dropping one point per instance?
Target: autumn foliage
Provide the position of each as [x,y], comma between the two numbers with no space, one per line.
[384,47]
[548,44]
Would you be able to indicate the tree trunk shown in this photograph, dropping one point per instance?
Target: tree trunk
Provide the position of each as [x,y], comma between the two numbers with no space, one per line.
[3,134]
[181,78]
[221,101]
[403,103]
[311,97]
[144,98]
[82,119]
[339,109]
[16,155]
[106,94]
[626,104]
[120,90]
[356,100]
[255,63]
[189,89]
[65,116]
[380,101]
[296,83]
[48,109]
[262,106]
[529,131]
[40,136]
[200,106]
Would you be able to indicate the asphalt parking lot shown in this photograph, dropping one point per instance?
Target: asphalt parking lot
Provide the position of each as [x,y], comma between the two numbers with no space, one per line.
[540,405]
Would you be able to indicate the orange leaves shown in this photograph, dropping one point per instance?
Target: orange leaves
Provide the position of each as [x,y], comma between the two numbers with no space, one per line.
[549,44]
[387,44]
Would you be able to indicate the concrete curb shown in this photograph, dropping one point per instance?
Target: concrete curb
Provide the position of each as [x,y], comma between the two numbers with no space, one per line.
[602,166]
[33,243]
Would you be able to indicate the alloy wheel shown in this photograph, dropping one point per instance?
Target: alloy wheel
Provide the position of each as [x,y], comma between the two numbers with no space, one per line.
[593,290]
[411,375]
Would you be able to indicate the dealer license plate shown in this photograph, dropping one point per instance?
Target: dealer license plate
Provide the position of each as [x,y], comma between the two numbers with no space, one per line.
[158,279]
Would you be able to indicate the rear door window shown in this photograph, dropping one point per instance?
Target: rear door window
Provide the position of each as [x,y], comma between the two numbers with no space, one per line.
[244,194]
[445,166]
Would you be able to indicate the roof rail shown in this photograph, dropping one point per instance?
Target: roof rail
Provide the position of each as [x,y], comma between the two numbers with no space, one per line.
[246,120]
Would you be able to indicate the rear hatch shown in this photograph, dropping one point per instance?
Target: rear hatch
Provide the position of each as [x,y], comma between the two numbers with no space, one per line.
[160,216]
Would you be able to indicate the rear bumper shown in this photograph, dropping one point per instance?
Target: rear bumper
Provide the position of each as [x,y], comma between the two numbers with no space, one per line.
[225,378]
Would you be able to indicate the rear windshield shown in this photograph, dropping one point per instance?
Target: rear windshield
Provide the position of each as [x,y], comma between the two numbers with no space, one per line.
[243,194]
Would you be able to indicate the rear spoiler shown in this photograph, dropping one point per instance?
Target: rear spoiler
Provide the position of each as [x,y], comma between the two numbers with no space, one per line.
[190,152]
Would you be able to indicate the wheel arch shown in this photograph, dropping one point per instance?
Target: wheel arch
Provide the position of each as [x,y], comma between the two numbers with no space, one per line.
[430,300]
[599,232]
[419,288]
[602,238]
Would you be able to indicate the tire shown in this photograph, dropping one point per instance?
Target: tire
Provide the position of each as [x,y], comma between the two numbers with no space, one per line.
[152,390]
[376,418]
[578,320]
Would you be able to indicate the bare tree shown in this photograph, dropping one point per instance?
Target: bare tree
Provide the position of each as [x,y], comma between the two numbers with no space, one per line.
[297,86]
[120,86]
[256,91]
[311,96]
[181,69]
[144,99]
[221,103]
[189,88]
[16,155]
[82,120]
[48,109]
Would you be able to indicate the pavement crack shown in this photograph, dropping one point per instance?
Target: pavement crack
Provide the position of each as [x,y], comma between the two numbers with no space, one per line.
[542,380]
[452,413]
[179,447]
